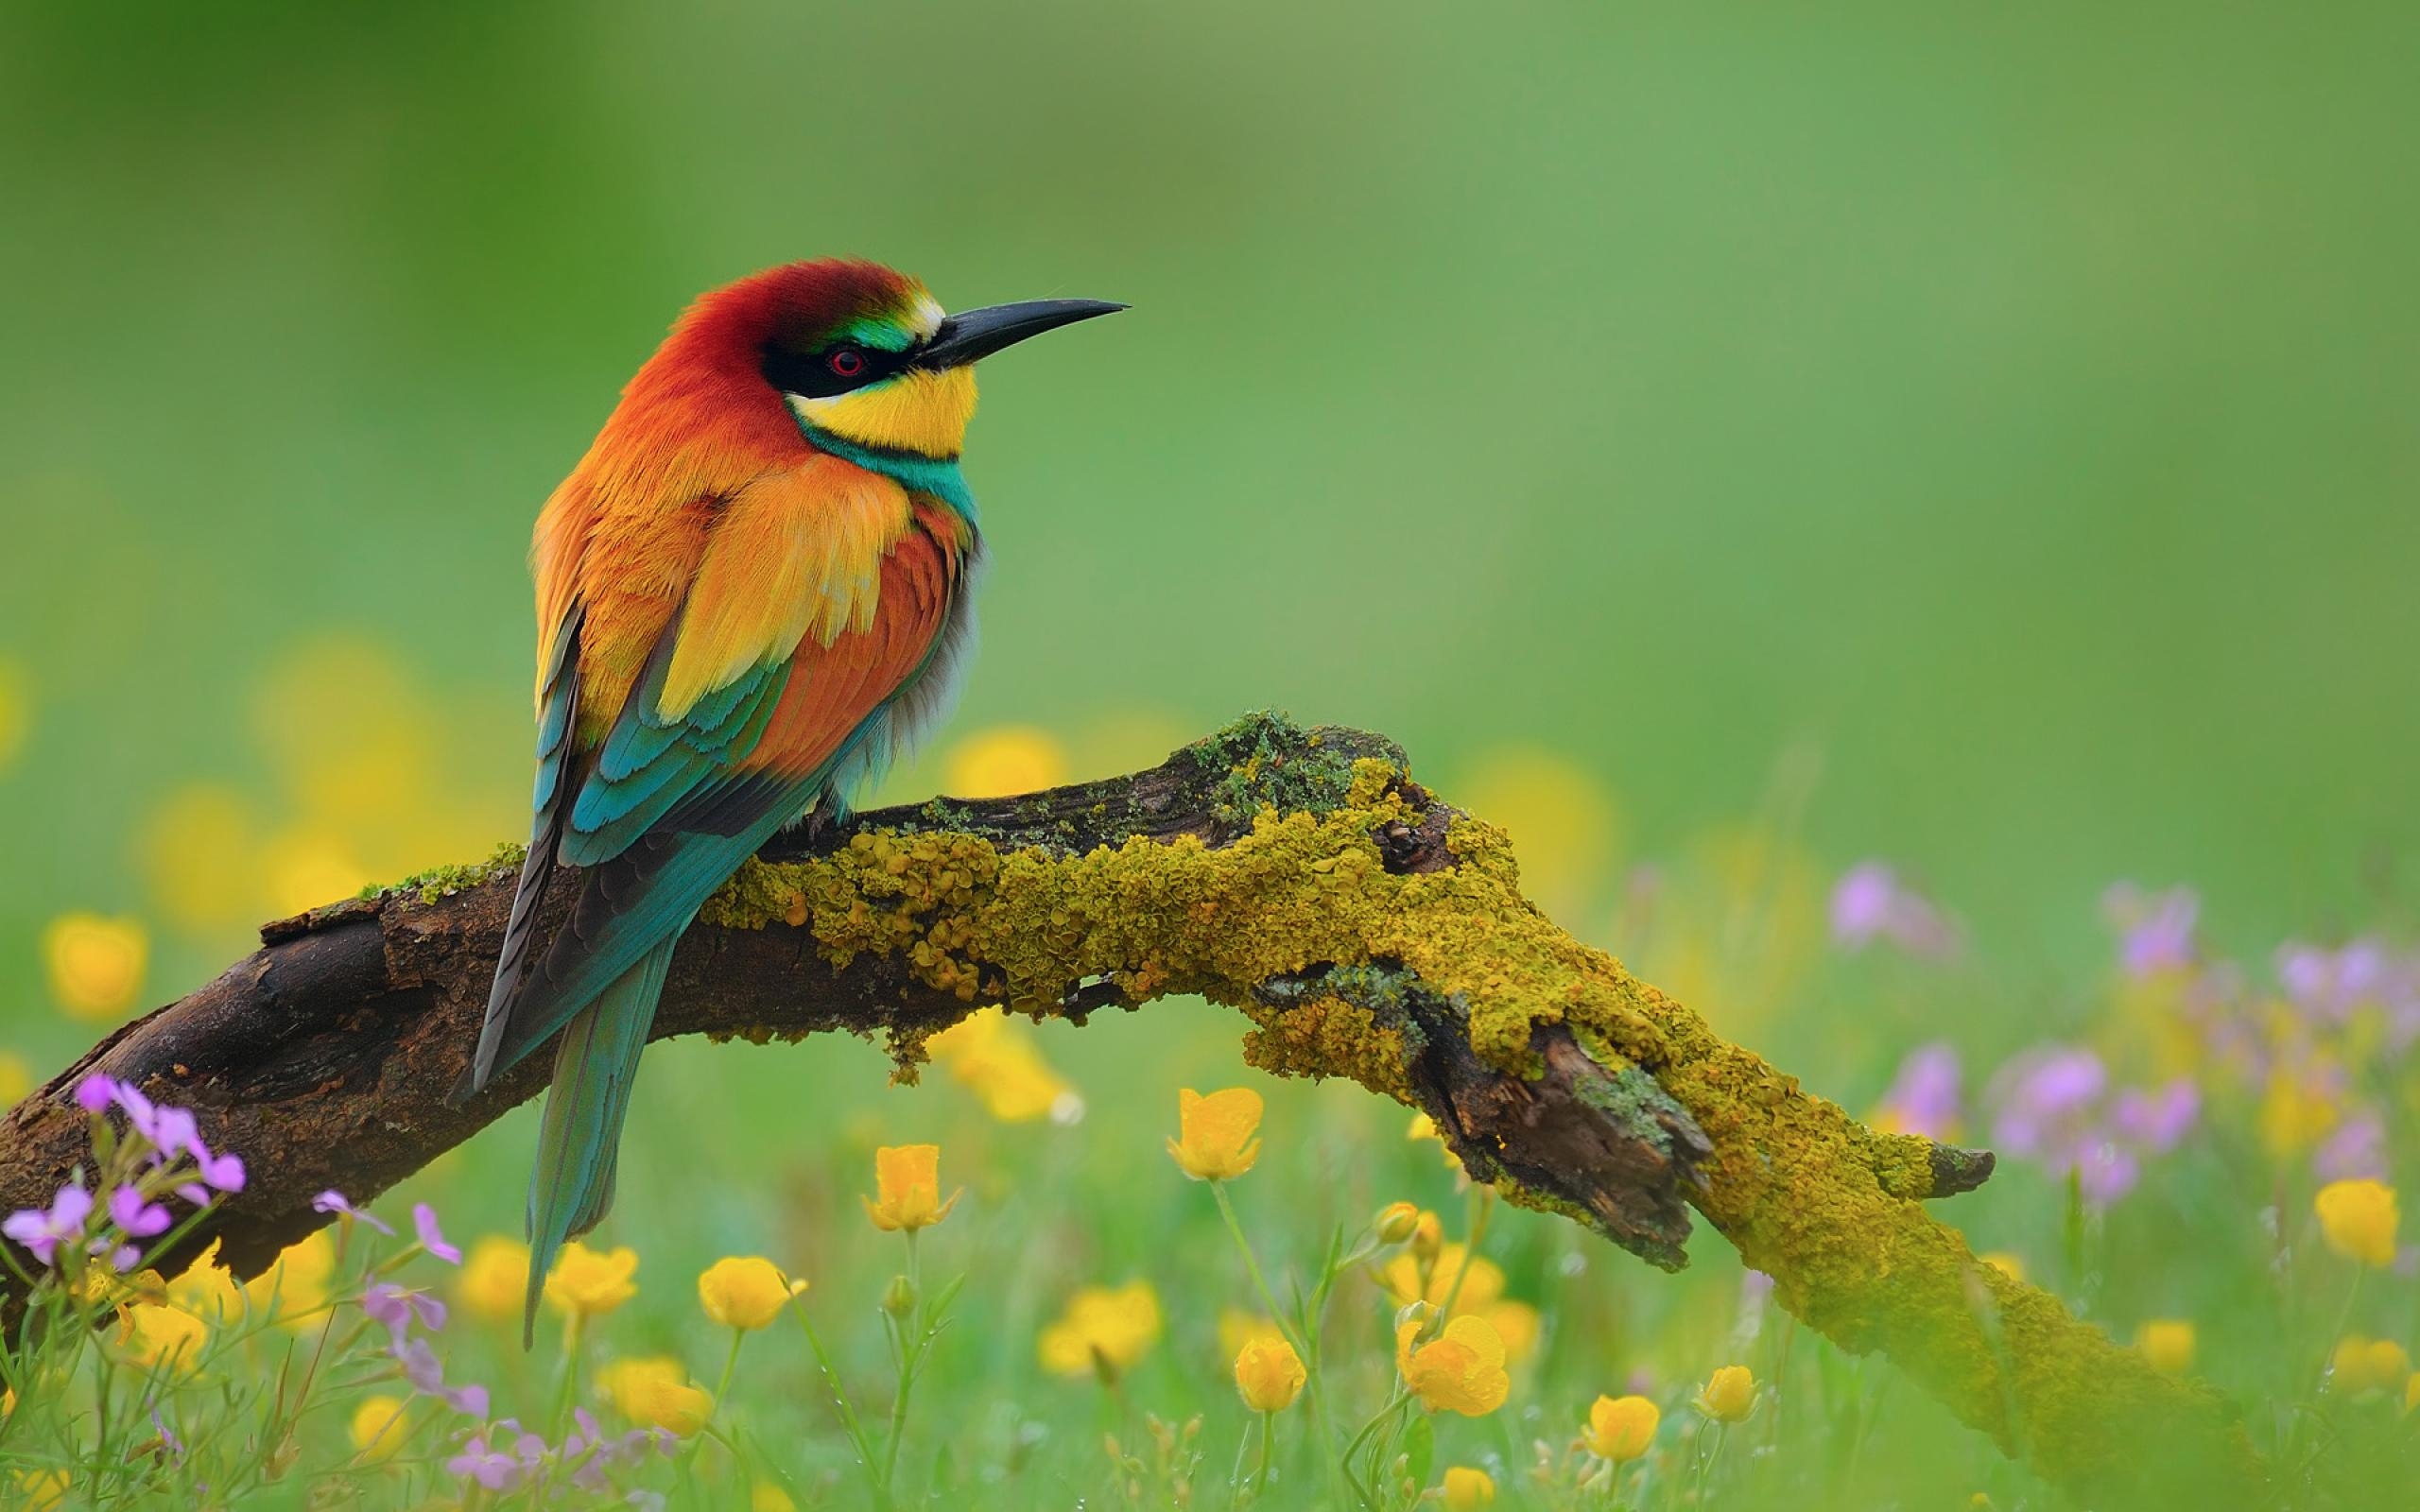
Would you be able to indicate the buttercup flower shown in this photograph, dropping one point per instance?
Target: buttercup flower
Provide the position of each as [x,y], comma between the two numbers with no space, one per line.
[494,1279]
[766,1497]
[1518,1324]
[378,1429]
[1395,1223]
[1467,1490]
[1216,1135]
[95,964]
[2412,1393]
[744,1292]
[626,1381]
[295,1288]
[675,1406]
[1478,1291]
[2361,1364]
[2359,1219]
[2007,1264]
[152,1335]
[1424,1127]
[1621,1428]
[907,1180]
[42,1490]
[998,1061]
[1268,1375]
[2167,1343]
[1102,1329]
[1461,1370]
[587,1283]
[1729,1395]
[1237,1327]
[207,1289]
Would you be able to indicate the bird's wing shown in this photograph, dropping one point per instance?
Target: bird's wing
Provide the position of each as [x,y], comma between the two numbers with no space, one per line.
[821,591]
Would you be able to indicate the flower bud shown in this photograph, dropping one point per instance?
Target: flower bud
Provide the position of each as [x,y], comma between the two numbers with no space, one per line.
[899,1298]
[1395,1222]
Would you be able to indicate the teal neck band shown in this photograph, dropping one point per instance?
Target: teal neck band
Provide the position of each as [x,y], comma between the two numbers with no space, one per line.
[917,475]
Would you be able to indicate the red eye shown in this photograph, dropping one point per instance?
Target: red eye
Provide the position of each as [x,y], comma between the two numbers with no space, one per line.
[846,362]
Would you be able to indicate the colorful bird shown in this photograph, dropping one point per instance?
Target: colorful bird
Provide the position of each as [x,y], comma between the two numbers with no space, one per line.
[752,589]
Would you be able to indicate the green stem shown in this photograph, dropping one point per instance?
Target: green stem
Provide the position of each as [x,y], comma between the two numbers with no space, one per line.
[847,1414]
[906,1347]
[1302,1338]
[722,1390]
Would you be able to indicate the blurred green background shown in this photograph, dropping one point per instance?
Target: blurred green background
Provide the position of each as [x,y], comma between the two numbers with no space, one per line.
[1719,448]
[1987,436]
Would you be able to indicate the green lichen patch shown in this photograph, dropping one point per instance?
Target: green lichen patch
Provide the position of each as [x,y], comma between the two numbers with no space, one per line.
[442,882]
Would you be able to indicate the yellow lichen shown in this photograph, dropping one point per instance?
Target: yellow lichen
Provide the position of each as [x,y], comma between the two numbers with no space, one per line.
[1808,1195]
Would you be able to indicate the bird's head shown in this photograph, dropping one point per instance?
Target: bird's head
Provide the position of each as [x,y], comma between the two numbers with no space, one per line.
[863,355]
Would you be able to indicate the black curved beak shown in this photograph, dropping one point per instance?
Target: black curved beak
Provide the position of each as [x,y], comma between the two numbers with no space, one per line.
[971,334]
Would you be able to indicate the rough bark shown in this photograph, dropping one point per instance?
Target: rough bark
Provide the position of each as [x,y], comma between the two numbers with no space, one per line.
[1367,931]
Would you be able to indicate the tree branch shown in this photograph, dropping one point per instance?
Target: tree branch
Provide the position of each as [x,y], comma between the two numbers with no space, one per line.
[1366,929]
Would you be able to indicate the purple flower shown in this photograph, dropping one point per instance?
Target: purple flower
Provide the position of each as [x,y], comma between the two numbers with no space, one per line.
[335,1202]
[222,1173]
[1923,1098]
[94,1093]
[2155,929]
[2106,1171]
[136,1216]
[2045,1096]
[174,1132]
[2357,1148]
[397,1308]
[41,1233]
[427,1374]
[432,1238]
[490,1468]
[1868,902]
[2157,1120]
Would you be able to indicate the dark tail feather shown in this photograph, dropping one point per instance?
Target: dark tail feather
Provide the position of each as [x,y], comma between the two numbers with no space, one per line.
[512,963]
[573,1185]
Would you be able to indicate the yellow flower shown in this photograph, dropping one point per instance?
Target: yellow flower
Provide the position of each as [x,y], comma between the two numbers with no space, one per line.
[1428,1237]
[1103,1329]
[294,1290]
[207,1289]
[2361,1364]
[1563,822]
[653,1389]
[378,1429]
[766,1497]
[2412,1393]
[16,1078]
[586,1283]
[908,1176]
[95,964]
[1729,1395]
[998,1061]
[1237,1327]
[1462,1370]
[1517,1325]
[1424,1127]
[2167,1343]
[625,1380]
[1396,1222]
[152,1335]
[495,1279]
[1216,1134]
[2297,1109]
[1467,1490]
[1400,1275]
[43,1490]
[2359,1219]
[744,1292]
[1268,1375]
[1003,762]
[2007,1263]
[1621,1428]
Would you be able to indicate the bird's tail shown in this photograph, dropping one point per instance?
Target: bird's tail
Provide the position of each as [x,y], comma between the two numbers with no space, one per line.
[573,1185]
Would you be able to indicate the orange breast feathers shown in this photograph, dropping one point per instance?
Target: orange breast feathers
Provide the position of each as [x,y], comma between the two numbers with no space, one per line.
[799,561]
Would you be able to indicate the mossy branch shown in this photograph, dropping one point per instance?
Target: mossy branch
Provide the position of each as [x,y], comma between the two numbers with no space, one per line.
[1366,929]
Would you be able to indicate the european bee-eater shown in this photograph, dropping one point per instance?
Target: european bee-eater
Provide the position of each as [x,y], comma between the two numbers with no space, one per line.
[751,591]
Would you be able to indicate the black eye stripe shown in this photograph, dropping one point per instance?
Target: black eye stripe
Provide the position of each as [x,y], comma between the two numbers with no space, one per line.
[810,374]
